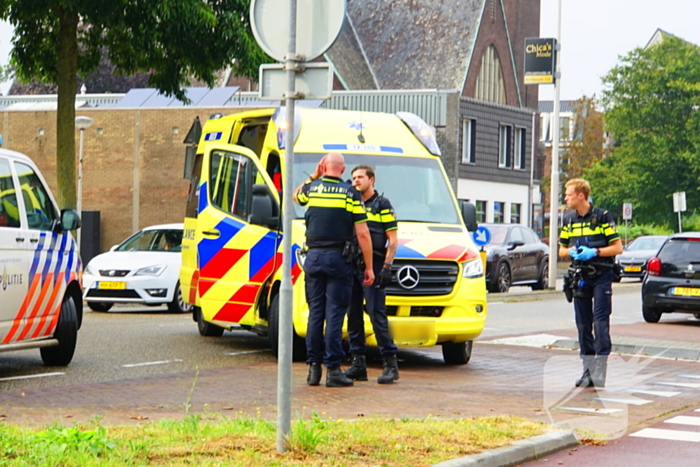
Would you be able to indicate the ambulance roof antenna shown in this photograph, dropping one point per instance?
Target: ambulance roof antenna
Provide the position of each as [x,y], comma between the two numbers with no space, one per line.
[360,137]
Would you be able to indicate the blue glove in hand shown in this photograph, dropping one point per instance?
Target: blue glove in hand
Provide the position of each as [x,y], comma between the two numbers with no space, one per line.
[585,253]
[573,252]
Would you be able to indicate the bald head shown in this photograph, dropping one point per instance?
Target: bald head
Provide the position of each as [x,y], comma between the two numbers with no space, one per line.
[334,164]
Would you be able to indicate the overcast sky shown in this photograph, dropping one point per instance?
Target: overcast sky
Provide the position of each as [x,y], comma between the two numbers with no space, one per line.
[594,33]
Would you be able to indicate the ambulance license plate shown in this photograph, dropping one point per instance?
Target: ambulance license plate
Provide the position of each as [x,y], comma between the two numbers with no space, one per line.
[633,269]
[111,285]
[687,291]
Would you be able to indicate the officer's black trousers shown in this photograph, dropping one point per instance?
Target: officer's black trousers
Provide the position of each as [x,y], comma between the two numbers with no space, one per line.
[376,309]
[593,316]
[328,290]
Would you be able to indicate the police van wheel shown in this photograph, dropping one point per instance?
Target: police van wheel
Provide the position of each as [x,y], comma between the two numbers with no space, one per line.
[179,305]
[651,315]
[100,306]
[208,329]
[273,327]
[458,353]
[67,335]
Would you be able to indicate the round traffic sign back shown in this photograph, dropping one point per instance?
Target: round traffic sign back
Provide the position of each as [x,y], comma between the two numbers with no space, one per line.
[318,25]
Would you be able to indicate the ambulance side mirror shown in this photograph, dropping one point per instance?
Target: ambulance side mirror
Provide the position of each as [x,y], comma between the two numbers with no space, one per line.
[264,210]
[468,215]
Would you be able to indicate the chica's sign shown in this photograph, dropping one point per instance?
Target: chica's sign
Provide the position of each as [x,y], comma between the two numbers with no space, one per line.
[540,60]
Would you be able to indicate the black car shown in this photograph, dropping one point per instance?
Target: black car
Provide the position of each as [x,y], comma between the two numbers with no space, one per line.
[672,282]
[515,256]
[632,261]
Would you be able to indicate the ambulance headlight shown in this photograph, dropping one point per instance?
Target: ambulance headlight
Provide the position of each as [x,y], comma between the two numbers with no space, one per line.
[424,132]
[473,269]
[301,257]
[150,271]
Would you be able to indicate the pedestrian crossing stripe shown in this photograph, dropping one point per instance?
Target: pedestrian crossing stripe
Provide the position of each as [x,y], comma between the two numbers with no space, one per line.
[689,376]
[656,393]
[684,420]
[680,385]
[588,410]
[617,400]
[671,435]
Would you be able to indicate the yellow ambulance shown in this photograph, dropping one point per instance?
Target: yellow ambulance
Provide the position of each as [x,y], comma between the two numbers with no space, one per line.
[231,253]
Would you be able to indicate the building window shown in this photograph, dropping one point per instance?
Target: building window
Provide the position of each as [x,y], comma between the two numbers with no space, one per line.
[480,211]
[489,84]
[498,211]
[515,213]
[564,128]
[468,141]
[519,151]
[504,154]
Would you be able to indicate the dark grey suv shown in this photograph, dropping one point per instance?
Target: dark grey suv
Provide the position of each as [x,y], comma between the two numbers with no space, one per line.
[672,282]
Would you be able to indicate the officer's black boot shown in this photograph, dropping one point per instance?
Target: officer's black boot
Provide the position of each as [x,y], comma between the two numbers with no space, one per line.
[599,371]
[314,378]
[358,370]
[391,370]
[336,379]
[585,380]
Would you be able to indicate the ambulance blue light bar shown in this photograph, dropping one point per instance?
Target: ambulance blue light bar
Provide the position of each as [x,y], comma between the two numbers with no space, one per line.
[424,132]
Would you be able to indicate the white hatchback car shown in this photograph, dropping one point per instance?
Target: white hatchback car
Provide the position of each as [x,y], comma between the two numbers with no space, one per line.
[145,268]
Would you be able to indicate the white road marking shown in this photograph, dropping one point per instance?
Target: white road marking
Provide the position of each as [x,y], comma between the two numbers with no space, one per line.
[246,352]
[684,420]
[588,410]
[672,435]
[680,385]
[162,362]
[616,400]
[42,375]
[534,340]
[655,393]
[689,376]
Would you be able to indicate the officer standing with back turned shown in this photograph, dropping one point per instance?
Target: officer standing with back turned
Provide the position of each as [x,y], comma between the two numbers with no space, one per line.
[382,228]
[589,237]
[335,211]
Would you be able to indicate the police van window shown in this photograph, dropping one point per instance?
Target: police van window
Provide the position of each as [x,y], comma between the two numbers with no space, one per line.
[231,179]
[417,187]
[9,212]
[37,204]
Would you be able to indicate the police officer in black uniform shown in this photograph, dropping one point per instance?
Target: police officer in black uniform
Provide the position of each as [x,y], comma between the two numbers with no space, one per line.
[382,227]
[335,211]
[589,237]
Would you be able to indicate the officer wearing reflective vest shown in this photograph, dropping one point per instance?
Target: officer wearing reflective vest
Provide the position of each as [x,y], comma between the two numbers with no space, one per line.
[335,211]
[589,237]
[382,227]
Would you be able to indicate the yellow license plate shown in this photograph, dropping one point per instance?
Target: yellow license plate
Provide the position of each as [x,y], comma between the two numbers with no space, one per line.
[416,332]
[686,291]
[111,285]
[633,269]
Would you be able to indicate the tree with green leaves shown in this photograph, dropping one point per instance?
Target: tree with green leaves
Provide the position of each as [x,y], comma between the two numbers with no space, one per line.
[652,101]
[172,40]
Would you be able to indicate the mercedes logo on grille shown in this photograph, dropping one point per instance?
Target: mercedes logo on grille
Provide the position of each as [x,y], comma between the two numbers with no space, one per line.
[408,277]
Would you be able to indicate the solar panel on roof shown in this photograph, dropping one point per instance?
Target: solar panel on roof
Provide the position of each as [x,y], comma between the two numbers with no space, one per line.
[158,100]
[217,97]
[193,94]
[135,97]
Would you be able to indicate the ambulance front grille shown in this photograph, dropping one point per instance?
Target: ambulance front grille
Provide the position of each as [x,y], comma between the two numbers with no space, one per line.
[434,278]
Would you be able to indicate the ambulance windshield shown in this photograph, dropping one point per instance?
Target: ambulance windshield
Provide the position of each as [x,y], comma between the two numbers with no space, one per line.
[416,187]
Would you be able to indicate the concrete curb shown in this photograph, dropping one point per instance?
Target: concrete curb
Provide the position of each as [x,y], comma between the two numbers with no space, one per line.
[647,350]
[517,452]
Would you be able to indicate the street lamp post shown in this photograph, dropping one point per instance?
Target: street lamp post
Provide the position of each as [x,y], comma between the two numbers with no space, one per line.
[82,123]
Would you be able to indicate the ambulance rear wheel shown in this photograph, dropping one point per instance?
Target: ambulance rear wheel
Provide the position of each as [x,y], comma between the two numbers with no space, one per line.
[207,329]
[273,326]
[458,353]
[67,335]
[100,306]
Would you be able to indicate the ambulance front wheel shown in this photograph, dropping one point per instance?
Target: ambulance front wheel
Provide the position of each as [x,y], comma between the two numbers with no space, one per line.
[67,335]
[458,353]
[207,329]
[273,326]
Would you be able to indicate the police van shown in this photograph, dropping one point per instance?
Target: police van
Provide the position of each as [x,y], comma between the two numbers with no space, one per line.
[40,269]
[231,253]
